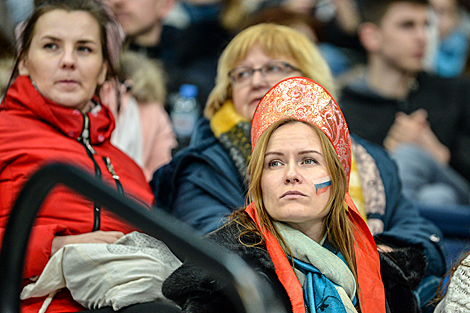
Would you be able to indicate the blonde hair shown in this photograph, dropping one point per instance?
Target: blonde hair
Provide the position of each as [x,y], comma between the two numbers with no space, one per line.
[338,227]
[275,41]
[147,76]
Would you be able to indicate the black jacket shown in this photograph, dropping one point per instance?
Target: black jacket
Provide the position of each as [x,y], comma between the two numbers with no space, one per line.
[447,102]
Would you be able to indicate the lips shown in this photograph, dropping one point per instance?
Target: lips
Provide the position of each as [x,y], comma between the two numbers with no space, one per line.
[68,84]
[67,81]
[121,16]
[255,101]
[292,194]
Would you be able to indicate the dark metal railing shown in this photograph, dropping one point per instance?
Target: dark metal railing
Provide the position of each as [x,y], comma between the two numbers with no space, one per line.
[244,288]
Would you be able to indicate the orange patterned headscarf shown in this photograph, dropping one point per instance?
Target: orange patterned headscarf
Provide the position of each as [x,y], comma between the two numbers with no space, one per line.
[305,100]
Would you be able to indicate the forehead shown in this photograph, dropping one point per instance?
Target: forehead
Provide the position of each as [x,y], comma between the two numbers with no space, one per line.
[405,11]
[257,52]
[294,136]
[61,24]
[145,7]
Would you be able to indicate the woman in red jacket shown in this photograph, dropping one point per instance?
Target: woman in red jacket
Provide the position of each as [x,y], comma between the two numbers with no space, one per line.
[51,113]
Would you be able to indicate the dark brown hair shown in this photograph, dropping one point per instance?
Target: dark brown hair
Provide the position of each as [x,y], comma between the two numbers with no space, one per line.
[373,11]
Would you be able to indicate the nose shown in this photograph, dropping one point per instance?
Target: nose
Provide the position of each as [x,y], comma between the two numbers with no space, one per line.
[292,175]
[258,79]
[422,34]
[68,60]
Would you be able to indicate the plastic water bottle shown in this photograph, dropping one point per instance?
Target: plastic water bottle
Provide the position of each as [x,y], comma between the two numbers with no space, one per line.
[185,111]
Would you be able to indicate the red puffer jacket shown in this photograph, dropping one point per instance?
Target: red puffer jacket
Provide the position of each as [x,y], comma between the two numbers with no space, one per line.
[35,131]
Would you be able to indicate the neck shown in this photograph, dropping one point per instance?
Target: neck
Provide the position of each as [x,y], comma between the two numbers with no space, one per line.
[389,82]
[87,108]
[314,231]
[150,37]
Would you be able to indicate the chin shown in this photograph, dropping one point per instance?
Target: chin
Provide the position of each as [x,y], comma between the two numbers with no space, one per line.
[71,104]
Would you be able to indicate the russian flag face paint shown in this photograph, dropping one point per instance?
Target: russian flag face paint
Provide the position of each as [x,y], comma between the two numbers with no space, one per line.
[322,184]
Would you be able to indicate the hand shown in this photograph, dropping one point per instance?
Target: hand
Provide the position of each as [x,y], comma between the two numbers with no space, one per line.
[407,129]
[93,237]
[384,248]
[347,15]
[300,6]
[414,129]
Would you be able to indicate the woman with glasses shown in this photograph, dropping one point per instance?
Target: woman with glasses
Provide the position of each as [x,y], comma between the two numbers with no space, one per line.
[205,182]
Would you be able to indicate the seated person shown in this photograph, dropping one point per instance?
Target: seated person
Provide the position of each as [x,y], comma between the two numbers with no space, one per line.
[206,182]
[455,296]
[51,113]
[421,119]
[301,229]
[143,128]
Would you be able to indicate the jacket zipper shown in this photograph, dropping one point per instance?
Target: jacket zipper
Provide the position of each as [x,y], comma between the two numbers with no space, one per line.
[115,176]
[84,139]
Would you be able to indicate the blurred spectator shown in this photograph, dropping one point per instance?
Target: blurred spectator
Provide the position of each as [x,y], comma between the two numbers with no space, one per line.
[142,21]
[210,26]
[206,181]
[143,129]
[423,120]
[453,23]
[339,59]
[189,53]
[340,18]
[19,10]
[7,38]
[6,68]
[455,297]
[146,33]
[7,51]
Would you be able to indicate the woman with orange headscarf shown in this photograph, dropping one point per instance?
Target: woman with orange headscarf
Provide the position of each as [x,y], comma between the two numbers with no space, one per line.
[301,229]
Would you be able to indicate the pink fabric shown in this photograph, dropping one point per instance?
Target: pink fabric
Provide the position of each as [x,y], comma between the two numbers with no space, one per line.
[159,138]
[157,131]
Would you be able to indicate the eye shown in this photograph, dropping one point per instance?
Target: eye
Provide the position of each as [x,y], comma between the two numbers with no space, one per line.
[84,49]
[50,46]
[273,68]
[242,74]
[274,163]
[309,161]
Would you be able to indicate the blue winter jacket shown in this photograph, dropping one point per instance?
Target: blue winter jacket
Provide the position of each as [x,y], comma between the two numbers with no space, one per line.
[201,186]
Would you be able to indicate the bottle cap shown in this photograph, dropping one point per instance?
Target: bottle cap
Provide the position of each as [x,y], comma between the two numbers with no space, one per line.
[188,90]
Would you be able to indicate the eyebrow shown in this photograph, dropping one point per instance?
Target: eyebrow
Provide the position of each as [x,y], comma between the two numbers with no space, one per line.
[301,152]
[269,62]
[82,41]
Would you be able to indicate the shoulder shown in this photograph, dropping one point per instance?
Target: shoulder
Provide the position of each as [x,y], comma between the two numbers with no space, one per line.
[246,244]
[374,150]
[204,161]
[431,82]
[380,155]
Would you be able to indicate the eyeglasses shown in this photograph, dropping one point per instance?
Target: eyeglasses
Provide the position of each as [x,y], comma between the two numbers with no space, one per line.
[272,71]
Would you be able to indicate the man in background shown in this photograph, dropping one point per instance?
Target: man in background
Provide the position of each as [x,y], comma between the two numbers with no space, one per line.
[422,120]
